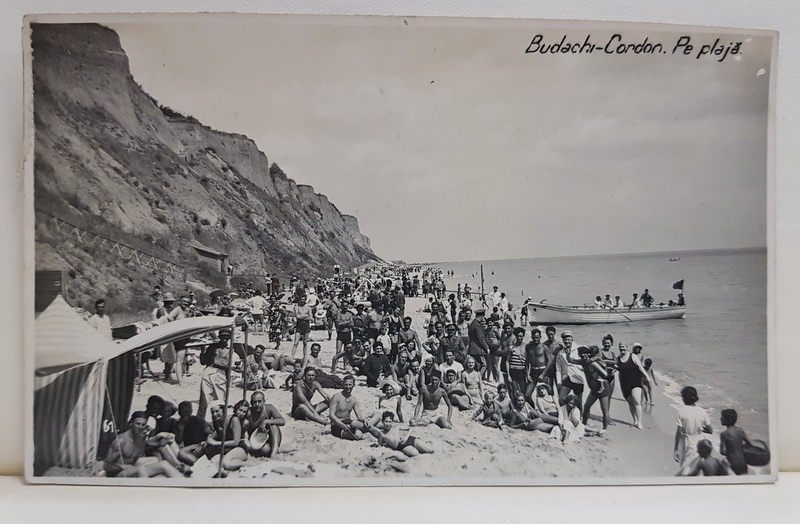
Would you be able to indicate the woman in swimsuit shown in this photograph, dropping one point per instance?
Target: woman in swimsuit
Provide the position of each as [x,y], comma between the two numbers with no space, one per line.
[596,378]
[456,391]
[493,335]
[609,360]
[472,381]
[631,376]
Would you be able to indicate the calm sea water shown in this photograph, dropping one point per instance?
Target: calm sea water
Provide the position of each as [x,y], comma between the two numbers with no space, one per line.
[721,345]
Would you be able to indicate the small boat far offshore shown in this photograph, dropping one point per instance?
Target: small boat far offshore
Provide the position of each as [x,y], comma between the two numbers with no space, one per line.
[539,313]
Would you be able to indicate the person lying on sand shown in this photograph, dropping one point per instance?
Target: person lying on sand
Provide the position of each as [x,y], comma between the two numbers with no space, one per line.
[388,435]
[343,404]
[427,408]
[303,392]
[523,416]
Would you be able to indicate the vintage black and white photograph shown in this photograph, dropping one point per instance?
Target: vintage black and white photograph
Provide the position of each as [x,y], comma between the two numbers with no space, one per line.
[277,250]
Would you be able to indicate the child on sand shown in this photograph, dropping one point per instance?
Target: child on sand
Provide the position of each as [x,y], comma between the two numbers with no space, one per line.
[491,411]
[706,464]
[732,441]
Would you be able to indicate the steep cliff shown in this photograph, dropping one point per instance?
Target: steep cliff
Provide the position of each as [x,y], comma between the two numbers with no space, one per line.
[110,160]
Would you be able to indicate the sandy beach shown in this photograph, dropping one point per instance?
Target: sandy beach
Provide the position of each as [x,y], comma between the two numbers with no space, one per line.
[469,453]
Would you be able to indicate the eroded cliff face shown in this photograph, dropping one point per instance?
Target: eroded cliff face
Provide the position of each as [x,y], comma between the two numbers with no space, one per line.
[110,160]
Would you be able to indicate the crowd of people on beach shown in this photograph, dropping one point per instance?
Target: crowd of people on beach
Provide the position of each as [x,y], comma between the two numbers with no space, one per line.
[464,357]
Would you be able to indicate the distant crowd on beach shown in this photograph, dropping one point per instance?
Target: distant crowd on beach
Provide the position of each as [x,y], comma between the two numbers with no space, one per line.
[476,359]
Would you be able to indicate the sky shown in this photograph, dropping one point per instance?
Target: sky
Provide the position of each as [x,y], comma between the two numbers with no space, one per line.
[448,142]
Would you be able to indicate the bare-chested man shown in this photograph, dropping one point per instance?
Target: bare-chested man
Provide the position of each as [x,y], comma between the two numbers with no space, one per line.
[426,412]
[537,357]
[303,392]
[343,406]
[126,458]
[265,417]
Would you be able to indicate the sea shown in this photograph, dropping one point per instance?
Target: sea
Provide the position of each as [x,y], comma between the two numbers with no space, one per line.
[720,347]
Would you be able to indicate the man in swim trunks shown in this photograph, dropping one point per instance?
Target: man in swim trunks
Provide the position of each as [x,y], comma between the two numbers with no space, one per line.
[430,397]
[388,435]
[303,392]
[126,458]
[343,404]
[265,417]
[537,357]
[553,348]
[405,335]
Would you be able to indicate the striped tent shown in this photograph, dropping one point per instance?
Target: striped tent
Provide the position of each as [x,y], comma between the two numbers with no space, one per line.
[69,388]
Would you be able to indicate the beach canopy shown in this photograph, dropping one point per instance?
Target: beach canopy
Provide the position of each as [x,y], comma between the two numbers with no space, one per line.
[172,331]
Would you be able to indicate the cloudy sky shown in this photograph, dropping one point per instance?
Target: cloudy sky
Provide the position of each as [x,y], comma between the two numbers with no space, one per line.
[449,142]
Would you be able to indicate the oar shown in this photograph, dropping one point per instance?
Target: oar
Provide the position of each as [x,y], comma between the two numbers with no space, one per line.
[617,311]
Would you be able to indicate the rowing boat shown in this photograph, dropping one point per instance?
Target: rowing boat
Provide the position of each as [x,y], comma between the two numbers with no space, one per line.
[539,313]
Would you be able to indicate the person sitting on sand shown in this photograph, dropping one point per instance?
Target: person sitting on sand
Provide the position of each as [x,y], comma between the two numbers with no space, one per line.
[227,436]
[294,377]
[125,457]
[391,389]
[473,383]
[358,355]
[427,408]
[388,435]
[303,392]
[428,370]
[401,373]
[450,363]
[704,463]
[414,353]
[313,360]
[523,416]
[571,422]
[504,401]
[377,366]
[490,411]
[343,406]
[456,391]
[267,419]
[732,441]
[190,429]
[545,401]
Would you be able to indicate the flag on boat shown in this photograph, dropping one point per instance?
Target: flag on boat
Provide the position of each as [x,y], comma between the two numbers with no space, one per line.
[678,284]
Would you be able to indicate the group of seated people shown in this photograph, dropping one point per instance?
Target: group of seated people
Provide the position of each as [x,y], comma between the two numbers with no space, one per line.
[157,442]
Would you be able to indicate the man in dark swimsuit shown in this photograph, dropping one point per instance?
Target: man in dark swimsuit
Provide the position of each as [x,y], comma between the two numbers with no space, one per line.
[303,392]
[430,398]
[265,417]
[343,404]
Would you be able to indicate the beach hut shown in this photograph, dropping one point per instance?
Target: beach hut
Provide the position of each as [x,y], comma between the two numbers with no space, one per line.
[84,383]
[71,363]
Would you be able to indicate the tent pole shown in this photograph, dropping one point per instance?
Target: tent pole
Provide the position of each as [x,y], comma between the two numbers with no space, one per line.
[245,364]
[225,407]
